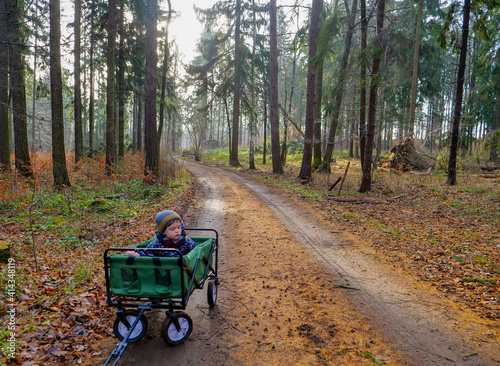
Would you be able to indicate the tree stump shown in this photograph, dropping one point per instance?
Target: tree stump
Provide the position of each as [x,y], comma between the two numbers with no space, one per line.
[404,156]
[4,251]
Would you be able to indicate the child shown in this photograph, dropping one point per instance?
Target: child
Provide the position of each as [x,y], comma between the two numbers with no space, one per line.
[171,234]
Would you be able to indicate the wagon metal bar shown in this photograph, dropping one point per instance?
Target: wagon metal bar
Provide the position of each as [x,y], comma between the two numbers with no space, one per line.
[120,347]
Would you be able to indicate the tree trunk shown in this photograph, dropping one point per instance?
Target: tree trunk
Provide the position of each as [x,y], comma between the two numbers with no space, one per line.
[317,115]
[91,81]
[110,90]
[306,167]
[61,178]
[18,92]
[366,179]
[362,88]
[264,150]
[253,120]
[77,86]
[151,143]
[318,96]
[4,92]
[452,164]
[339,90]
[233,158]
[273,93]
[33,97]
[414,79]
[164,71]
[121,85]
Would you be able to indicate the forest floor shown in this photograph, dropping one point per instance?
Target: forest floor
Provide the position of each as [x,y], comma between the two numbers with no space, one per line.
[446,239]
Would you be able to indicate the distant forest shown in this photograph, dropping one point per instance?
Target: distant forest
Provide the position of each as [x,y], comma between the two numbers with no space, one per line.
[319,75]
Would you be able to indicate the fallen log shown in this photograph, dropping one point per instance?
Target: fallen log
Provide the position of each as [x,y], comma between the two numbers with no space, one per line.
[354,200]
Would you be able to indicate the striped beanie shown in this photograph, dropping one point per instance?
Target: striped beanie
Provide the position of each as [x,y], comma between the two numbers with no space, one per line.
[164,217]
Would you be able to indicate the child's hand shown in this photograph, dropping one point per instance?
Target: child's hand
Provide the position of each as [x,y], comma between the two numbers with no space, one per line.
[132,253]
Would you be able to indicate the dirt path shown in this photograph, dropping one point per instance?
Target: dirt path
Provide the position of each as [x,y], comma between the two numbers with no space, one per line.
[293,292]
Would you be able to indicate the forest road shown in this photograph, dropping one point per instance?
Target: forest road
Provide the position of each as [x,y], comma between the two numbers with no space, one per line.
[419,325]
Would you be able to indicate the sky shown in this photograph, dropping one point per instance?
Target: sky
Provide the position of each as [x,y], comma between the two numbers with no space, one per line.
[186,29]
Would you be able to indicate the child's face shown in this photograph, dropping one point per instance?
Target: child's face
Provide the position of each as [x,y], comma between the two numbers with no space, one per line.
[173,232]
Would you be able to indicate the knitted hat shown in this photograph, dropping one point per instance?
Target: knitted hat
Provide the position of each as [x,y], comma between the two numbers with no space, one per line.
[164,217]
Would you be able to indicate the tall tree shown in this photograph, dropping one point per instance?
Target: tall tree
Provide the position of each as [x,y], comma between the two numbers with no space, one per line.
[414,79]
[164,72]
[61,178]
[339,89]
[4,91]
[366,179]
[18,91]
[121,82]
[452,164]
[91,81]
[233,158]
[306,167]
[362,86]
[77,86]
[273,92]
[151,139]
[318,94]
[110,89]
[253,112]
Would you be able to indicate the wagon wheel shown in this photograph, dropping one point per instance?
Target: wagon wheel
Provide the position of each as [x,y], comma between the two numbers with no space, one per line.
[212,293]
[176,328]
[123,323]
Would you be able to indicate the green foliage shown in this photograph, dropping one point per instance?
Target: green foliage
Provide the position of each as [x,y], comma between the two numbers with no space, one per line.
[137,190]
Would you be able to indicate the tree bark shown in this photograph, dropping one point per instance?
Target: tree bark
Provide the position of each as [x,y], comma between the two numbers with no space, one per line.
[77,86]
[4,92]
[233,158]
[339,90]
[91,81]
[18,91]
[306,167]
[366,179]
[253,119]
[362,88]
[151,143]
[414,79]
[110,90]
[121,84]
[317,116]
[61,178]
[452,164]
[273,93]
[164,71]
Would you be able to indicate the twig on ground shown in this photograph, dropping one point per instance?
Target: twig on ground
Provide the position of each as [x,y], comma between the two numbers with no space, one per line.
[347,287]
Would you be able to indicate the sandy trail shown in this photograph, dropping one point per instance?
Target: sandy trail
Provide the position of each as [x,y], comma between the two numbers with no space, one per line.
[421,325]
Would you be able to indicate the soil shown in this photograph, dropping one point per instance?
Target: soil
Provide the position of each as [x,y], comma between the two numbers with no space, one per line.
[295,289]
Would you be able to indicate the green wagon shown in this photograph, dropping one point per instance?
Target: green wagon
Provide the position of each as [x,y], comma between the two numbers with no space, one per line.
[135,285]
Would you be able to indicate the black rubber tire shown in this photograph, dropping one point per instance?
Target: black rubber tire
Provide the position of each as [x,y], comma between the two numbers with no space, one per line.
[169,332]
[120,328]
[212,293]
